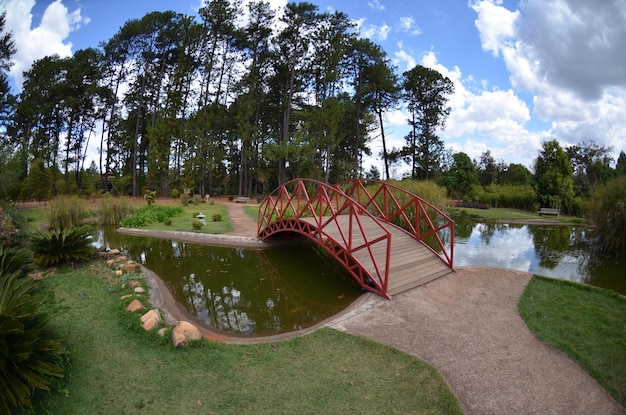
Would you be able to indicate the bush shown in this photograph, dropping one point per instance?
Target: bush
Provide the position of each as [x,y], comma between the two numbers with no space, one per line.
[148,214]
[14,260]
[197,199]
[11,225]
[167,222]
[62,246]
[29,357]
[194,214]
[149,196]
[607,212]
[196,224]
[66,212]
[112,210]
[184,199]
[216,217]
[175,193]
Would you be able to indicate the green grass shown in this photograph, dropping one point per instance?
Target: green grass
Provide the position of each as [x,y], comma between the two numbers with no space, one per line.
[586,323]
[117,368]
[183,221]
[252,211]
[34,218]
[504,214]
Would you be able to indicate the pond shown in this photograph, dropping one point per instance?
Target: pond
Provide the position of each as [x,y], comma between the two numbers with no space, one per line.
[558,251]
[245,292]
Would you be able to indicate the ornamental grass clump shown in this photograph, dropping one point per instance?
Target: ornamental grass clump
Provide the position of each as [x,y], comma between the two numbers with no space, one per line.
[30,357]
[63,246]
[66,212]
[112,210]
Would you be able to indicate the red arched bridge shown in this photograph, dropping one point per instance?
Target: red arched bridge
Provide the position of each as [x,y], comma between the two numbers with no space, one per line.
[389,239]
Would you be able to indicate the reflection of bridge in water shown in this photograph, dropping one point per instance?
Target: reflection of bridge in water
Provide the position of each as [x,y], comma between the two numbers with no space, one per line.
[390,240]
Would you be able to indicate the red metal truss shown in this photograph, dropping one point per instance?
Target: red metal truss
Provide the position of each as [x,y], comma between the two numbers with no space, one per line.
[350,223]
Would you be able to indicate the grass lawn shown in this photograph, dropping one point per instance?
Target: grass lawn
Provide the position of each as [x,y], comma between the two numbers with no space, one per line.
[504,214]
[183,222]
[586,323]
[117,368]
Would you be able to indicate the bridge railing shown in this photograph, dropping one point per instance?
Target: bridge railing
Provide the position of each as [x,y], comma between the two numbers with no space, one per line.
[322,205]
[420,218]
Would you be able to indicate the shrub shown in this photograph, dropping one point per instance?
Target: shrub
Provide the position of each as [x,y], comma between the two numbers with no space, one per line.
[14,260]
[62,246]
[148,214]
[29,357]
[11,225]
[167,222]
[66,212]
[607,212]
[149,196]
[112,210]
[197,199]
[216,217]
[184,199]
[194,214]
[196,224]
[175,193]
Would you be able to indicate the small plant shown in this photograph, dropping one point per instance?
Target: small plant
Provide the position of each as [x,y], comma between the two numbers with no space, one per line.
[197,199]
[149,214]
[216,217]
[194,214]
[29,356]
[196,224]
[149,196]
[175,193]
[184,199]
[62,246]
[167,222]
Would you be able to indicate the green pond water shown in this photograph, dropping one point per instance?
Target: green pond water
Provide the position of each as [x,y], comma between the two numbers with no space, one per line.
[246,292]
[261,292]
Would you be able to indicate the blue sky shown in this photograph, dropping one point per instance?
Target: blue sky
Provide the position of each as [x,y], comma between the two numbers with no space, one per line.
[524,71]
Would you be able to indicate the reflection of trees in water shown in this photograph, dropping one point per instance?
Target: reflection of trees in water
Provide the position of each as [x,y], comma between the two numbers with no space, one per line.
[551,243]
[241,291]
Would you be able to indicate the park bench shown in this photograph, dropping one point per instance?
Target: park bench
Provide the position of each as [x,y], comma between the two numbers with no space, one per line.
[242,199]
[549,211]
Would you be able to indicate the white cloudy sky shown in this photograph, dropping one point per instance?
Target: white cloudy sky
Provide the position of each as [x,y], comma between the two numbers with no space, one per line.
[524,71]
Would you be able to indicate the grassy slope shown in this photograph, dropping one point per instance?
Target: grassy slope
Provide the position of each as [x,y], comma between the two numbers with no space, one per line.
[116,368]
[586,323]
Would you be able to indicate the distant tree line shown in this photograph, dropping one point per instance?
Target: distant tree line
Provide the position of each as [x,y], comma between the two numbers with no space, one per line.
[212,105]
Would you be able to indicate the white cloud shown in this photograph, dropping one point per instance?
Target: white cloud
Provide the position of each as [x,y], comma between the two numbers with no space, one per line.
[570,55]
[408,25]
[376,5]
[373,32]
[43,40]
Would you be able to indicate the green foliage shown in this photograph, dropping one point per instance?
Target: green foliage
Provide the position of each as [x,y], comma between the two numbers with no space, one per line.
[197,199]
[607,211]
[553,176]
[427,190]
[184,199]
[112,210]
[66,245]
[512,196]
[12,226]
[148,214]
[167,222]
[66,212]
[29,356]
[194,213]
[149,196]
[175,193]
[14,260]
[216,217]
[196,224]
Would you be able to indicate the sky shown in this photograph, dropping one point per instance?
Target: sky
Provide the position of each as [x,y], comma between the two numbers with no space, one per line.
[524,71]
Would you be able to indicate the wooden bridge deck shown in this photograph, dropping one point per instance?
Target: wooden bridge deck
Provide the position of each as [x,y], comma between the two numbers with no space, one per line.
[412,264]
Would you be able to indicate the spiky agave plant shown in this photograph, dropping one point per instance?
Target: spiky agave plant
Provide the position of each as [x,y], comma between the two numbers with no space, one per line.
[62,246]
[29,356]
